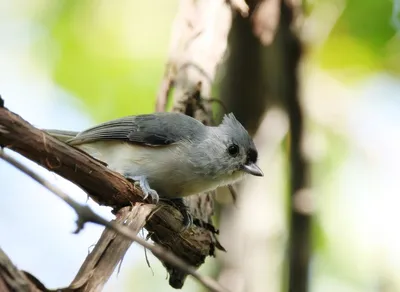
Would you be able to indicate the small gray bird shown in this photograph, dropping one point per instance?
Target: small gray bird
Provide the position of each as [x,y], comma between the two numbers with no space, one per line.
[171,155]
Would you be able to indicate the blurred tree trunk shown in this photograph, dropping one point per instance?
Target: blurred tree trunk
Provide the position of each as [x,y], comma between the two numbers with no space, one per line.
[257,79]
[245,88]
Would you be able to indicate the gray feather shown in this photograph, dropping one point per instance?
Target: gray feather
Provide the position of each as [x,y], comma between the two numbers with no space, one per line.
[61,134]
[156,129]
[198,160]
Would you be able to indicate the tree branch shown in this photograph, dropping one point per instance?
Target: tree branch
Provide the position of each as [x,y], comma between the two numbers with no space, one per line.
[110,250]
[12,279]
[85,214]
[103,185]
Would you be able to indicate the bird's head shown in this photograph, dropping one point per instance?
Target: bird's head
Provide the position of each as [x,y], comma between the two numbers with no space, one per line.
[229,151]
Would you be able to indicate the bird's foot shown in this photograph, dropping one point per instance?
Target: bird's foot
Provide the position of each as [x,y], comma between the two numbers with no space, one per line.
[144,185]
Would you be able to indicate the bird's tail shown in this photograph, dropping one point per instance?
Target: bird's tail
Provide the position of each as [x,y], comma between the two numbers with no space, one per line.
[61,135]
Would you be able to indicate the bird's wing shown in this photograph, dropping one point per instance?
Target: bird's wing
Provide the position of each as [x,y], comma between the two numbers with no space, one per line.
[156,129]
[61,134]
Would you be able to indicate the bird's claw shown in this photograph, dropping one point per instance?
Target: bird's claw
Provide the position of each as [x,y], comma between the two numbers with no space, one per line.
[187,219]
[144,185]
[152,193]
[180,205]
[177,202]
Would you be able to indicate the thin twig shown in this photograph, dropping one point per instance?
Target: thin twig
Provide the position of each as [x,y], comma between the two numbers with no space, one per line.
[109,250]
[163,93]
[220,102]
[85,214]
[233,193]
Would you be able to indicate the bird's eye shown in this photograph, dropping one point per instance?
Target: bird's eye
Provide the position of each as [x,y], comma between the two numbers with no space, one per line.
[233,150]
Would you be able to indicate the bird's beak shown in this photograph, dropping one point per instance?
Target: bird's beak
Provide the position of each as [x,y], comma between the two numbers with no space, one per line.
[253,169]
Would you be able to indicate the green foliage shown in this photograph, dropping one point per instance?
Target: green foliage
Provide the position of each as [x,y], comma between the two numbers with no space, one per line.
[111,56]
[362,40]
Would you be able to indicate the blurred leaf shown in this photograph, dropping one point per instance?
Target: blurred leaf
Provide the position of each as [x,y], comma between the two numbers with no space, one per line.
[345,52]
[109,54]
[368,20]
[359,41]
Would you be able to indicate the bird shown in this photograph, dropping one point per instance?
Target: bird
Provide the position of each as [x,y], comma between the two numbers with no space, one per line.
[170,155]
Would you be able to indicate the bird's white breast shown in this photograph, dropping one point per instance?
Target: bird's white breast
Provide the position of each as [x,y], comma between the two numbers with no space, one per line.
[167,168]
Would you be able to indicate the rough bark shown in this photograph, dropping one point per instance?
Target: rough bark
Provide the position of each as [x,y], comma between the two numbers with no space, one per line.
[12,279]
[111,248]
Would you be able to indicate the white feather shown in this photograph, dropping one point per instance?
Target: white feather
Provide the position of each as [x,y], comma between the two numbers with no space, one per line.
[166,167]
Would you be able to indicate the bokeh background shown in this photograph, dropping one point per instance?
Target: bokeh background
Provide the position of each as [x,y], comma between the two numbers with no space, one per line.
[70,64]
